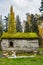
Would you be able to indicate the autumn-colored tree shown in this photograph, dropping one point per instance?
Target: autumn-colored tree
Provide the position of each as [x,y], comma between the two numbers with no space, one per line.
[11,22]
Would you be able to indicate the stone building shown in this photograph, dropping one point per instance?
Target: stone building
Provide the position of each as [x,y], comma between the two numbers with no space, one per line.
[20,41]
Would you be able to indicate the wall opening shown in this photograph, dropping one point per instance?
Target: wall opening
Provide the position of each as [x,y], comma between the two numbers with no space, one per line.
[11,44]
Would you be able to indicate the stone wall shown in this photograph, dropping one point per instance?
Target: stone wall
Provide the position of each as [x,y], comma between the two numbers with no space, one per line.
[20,44]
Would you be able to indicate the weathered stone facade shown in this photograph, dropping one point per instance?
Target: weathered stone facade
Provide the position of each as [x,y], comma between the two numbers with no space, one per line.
[20,44]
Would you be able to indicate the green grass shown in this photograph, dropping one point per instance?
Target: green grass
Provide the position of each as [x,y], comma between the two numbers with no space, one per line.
[22,61]
[41,49]
[1,52]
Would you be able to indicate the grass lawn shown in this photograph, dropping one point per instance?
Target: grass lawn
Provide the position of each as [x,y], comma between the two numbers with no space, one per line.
[41,49]
[22,61]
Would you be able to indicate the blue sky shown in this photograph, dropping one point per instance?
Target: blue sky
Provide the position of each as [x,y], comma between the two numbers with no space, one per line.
[21,7]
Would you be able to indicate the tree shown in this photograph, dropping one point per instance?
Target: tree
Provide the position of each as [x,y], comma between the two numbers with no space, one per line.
[26,27]
[29,21]
[34,26]
[1,28]
[41,7]
[11,22]
[6,23]
[18,24]
[32,22]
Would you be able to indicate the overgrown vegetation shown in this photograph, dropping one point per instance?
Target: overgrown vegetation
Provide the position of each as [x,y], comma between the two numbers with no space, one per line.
[20,35]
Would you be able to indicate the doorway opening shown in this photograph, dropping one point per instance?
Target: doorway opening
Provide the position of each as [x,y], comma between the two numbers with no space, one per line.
[11,44]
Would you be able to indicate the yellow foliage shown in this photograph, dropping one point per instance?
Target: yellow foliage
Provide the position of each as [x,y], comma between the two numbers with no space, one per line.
[11,21]
[20,35]
[40,30]
[28,19]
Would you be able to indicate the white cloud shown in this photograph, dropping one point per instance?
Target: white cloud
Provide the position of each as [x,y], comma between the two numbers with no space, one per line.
[25,6]
[21,3]
[20,7]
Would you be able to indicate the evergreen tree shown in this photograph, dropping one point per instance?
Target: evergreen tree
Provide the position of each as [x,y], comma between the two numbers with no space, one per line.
[1,28]
[18,24]
[11,21]
[6,23]
[32,22]
[26,27]
[34,26]
[29,21]
[41,7]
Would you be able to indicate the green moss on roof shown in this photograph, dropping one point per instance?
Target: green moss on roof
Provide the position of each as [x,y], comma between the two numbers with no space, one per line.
[20,35]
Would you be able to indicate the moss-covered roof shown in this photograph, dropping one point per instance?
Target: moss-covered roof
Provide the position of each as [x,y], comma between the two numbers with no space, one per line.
[20,35]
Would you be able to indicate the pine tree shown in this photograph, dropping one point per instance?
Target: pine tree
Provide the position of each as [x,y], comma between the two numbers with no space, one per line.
[1,28]
[11,21]
[29,21]
[34,26]
[26,27]
[32,22]
[41,7]
[18,24]
[6,23]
